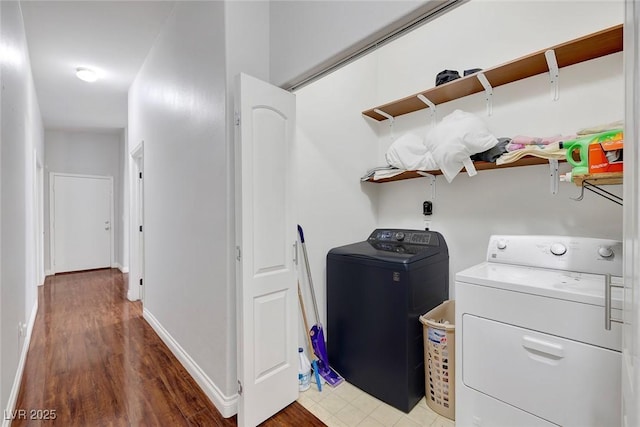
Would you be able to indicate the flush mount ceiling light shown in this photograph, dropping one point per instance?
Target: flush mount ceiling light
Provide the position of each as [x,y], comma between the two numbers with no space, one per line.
[86,74]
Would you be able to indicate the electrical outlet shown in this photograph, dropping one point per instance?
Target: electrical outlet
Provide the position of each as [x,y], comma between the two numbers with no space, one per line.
[427,208]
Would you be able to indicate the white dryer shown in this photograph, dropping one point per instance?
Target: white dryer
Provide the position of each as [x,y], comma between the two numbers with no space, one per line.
[531,344]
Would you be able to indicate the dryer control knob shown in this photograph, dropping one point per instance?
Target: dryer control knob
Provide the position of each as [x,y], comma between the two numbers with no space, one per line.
[399,236]
[502,244]
[558,249]
[605,251]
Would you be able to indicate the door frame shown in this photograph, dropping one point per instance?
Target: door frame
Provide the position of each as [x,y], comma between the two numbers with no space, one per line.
[631,222]
[38,217]
[136,212]
[52,239]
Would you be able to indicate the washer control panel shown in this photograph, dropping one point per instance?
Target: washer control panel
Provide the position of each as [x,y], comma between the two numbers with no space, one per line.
[402,240]
[581,254]
[414,237]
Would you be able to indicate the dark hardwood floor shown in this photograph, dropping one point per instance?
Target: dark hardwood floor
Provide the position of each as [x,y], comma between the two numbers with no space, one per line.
[94,361]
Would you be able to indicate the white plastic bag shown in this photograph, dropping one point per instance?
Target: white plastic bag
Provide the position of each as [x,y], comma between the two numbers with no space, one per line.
[409,153]
[452,142]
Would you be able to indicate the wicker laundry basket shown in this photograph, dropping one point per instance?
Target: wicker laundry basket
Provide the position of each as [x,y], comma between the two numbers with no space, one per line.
[439,358]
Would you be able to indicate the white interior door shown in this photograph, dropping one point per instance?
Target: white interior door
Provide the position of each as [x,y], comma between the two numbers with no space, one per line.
[630,328]
[82,218]
[265,236]
[136,256]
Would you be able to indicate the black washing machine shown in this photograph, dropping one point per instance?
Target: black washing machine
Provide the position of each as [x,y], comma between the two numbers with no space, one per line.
[376,291]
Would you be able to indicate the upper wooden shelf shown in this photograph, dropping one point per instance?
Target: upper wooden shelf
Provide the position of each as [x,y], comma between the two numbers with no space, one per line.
[585,48]
[525,161]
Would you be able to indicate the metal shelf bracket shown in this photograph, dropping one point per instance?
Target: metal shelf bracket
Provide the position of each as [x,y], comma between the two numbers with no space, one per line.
[432,182]
[388,116]
[488,92]
[553,173]
[432,108]
[554,73]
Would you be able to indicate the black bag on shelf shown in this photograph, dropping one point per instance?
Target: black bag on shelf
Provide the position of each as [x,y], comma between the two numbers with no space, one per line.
[446,76]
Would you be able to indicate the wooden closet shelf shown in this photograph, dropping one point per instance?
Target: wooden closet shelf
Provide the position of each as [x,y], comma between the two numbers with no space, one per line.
[526,161]
[585,48]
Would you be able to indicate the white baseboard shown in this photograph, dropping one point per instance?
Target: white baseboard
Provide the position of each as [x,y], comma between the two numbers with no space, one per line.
[15,389]
[48,273]
[122,268]
[228,406]
[133,294]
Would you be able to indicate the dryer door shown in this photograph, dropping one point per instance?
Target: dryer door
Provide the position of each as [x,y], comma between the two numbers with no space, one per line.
[563,381]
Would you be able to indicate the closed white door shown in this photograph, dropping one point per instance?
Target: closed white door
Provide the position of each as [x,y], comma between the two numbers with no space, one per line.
[265,237]
[81,222]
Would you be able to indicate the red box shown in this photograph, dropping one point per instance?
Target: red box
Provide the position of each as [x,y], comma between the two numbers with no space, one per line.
[605,154]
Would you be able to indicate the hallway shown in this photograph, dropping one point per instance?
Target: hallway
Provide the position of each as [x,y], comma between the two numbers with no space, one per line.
[93,360]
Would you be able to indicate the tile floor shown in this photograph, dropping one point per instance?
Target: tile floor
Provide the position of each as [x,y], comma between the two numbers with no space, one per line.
[348,406]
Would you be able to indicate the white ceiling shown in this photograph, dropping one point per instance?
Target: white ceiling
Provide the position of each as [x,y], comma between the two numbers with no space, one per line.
[113,37]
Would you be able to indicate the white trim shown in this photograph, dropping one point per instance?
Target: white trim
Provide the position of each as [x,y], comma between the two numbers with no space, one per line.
[51,226]
[138,151]
[38,221]
[122,269]
[226,405]
[13,395]
[48,273]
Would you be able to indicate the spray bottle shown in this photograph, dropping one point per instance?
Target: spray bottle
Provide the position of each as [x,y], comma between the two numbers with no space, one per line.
[304,371]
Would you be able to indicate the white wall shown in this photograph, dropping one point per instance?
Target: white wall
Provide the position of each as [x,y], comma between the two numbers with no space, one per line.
[85,153]
[177,105]
[21,136]
[336,144]
[307,36]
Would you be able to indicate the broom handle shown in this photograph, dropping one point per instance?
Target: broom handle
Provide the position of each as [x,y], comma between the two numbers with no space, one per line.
[306,264]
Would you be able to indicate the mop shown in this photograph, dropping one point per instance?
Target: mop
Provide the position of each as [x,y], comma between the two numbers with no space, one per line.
[316,333]
[314,361]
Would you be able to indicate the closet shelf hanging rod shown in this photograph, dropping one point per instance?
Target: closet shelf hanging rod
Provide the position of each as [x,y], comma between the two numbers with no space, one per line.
[586,185]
